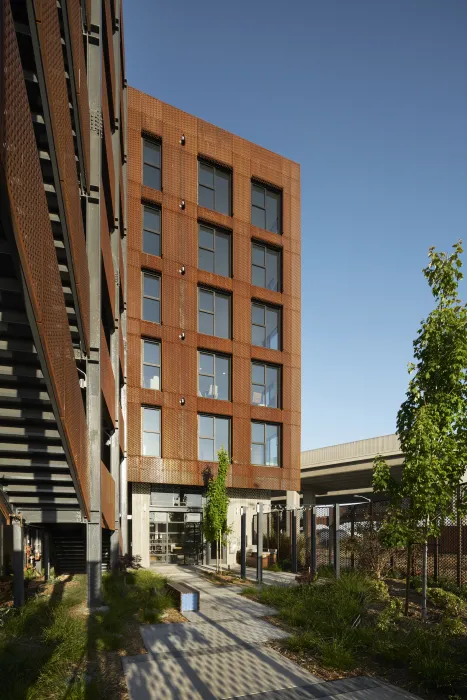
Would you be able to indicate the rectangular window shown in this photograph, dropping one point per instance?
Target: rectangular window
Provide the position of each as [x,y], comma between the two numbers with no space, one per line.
[266,208]
[151,230]
[151,378]
[152,164]
[213,433]
[215,188]
[265,385]
[213,313]
[151,297]
[265,326]
[265,267]
[213,376]
[151,431]
[214,250]
[265,444]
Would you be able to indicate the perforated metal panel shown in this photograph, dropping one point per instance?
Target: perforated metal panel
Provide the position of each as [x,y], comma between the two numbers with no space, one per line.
[109,56]
[179,462]
[108,171]
[107,378]
[108,260]
[81,83]
[107,498]
[21,173]
[57,92]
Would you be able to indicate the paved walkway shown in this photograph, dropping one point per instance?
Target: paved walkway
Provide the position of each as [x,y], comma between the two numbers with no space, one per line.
[220,653]
[271,578]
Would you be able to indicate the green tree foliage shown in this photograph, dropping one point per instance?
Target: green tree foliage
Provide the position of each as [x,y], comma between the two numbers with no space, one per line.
[217,502]
[432,421]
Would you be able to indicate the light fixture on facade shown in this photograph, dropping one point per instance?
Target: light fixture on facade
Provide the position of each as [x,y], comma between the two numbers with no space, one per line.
[182,204]
[182,270]
[182,335]
[182,401]
[183,140]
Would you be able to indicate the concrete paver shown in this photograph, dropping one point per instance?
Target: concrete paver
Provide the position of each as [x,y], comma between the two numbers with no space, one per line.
[219,653]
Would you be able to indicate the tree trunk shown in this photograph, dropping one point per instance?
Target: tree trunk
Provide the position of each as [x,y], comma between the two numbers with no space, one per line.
[220,551]
[407,578]
[424,579]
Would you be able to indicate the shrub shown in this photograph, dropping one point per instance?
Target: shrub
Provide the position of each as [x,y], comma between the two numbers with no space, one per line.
[450,602]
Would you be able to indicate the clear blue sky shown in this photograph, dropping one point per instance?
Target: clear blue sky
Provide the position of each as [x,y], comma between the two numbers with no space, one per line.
[370,97]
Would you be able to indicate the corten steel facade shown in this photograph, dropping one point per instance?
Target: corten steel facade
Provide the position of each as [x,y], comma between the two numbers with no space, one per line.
[62,287]
[184,140]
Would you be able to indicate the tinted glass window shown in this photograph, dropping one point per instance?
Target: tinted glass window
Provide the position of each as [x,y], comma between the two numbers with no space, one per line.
[265,385]
[265,267]
[152,164]
[151,365]
[151,231]
[151,298]
[213,376]
[265,326]
[214,313]
[213,433]
[214,188]
[265,444]
[214,251]
[266,208]
[151,431]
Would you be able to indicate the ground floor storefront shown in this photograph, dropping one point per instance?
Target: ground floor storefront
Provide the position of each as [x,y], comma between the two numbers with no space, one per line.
[166,523]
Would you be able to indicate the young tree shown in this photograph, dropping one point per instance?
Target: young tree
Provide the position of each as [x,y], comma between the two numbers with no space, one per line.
[432,421]
[215,512]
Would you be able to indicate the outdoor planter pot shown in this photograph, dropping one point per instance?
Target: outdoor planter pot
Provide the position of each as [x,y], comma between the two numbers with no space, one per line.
[252,558]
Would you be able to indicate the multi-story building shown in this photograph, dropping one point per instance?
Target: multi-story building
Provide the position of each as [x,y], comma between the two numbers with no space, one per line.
[212,271]
[213,325]
[62,285]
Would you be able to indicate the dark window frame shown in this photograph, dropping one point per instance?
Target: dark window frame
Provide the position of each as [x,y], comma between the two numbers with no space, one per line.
[215,292]
[274,191]
[155,142]
[213,438]
[214,355]
[223,169]
[154,207]
[144,364]
[267,365]
[264,444]
[215,230]
[147,273]
[266,306]
[260,244]
[151,432]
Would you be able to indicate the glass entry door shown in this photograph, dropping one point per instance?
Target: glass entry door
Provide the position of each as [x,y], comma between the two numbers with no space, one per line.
[175,537]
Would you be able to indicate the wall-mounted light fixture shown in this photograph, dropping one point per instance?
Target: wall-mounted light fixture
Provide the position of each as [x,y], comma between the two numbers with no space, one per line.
[182,204]
[182,401]
[182,335]
[183,140]
[182,270]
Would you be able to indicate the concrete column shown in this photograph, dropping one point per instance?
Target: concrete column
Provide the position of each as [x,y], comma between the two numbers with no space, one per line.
[140,522]
[93,241]
[124,505]
[38,547]
[292,503]
[18,563]
[46,555]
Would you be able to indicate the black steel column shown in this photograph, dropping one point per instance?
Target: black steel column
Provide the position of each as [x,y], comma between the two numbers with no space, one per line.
[294,540]
[278,527]
[313,561]
[352,535]
[337,548]
[259,553]
[243,543]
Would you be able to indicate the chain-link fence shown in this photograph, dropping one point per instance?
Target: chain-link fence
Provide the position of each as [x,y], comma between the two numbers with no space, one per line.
[347,537]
